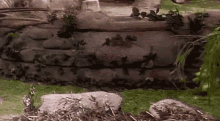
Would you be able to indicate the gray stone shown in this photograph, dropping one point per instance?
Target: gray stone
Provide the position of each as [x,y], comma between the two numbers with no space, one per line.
[109,53]
[178,107]
[163,44]
[51,101]
[39,34]
[3,42]
[27,55]
[98,20]
[150,64]
[100,76]
[161,74]
[57,43]
[90,19]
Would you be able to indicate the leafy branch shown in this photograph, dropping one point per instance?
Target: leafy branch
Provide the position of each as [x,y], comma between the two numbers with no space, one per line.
[209,69]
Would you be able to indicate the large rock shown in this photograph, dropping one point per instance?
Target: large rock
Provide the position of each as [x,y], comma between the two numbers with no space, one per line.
[163,44]
[133,54]
[90,20]
[57,43]
[27,55]
[39,34]
[51,101]
[162,109]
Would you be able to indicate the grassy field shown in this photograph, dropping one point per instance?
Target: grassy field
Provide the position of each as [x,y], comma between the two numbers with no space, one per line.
[135,101]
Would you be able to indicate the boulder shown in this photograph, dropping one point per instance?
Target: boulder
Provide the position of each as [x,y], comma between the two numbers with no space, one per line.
[39,34]
[165,46]
[90,20]
[51,102]
[57,43]
[27,55]
[133,54]
[162,109]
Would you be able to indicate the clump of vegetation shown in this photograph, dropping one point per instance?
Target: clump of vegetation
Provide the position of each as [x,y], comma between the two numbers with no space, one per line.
[209,69]
[77,112]
[11,36]
[152,16]
[135,12]
[29,101]
[197,24]
[52,16]
[69,17]
[118,41]
[174,20]
[70,26]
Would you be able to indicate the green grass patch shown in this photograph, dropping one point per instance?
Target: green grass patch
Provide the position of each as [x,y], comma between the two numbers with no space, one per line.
[135,101]
[13,91]
[168,5]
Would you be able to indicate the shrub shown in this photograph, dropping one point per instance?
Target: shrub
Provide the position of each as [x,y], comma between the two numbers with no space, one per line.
[70,26]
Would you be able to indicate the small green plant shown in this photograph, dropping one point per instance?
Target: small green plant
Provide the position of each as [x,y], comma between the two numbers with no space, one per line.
[70,26]
[154,17]
[10,37]
[135,12]
[174,20]
[204,85]
[119,41]
[29,101]
[14,35]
